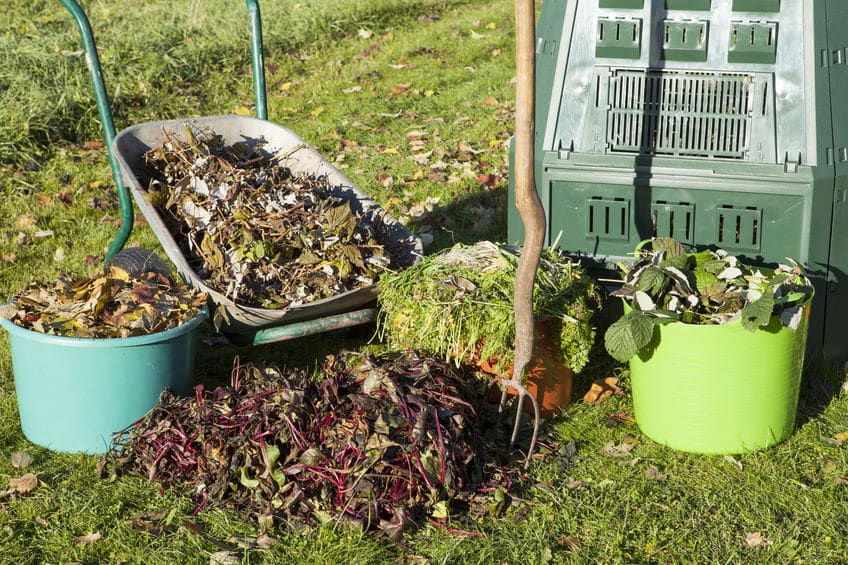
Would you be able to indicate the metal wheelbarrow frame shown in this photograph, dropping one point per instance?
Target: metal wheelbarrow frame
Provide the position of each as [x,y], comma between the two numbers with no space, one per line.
[245,325]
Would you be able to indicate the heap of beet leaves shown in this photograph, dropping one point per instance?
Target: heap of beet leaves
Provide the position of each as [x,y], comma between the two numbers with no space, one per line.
[379,444]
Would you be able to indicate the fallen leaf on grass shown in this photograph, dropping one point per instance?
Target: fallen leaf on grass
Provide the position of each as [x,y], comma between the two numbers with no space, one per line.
[24,222]
[601,389]
[618,450]
[653,473]
[755,539]
[733,461]
[264,541]
[224,557]
[23,484]
[20,459]
[569,542]
[88,538]
[575,484]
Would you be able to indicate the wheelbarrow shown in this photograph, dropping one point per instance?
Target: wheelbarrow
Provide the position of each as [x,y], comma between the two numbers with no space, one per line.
[243,325]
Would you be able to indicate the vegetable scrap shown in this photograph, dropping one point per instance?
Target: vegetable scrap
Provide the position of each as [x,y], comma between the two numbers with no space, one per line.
[379,444]
[459,305]
[109,304]
[256,232]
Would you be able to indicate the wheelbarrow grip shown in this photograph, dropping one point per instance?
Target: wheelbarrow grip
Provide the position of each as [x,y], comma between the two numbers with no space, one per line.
[103,109]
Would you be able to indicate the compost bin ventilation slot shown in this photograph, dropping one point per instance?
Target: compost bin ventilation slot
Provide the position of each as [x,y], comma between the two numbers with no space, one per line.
[706,115]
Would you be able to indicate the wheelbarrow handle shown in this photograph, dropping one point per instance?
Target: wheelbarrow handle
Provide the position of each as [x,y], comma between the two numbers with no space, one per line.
[257,53]
[104,109]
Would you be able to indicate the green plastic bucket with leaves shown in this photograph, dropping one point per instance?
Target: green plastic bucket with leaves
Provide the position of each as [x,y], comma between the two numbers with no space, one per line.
[74,393]
[719,389]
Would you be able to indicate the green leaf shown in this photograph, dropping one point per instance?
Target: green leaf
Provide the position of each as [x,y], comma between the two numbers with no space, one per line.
[246,481]
[628,335]
[677,261]
[758,313]
[672,247]
[705,280]
[652,280]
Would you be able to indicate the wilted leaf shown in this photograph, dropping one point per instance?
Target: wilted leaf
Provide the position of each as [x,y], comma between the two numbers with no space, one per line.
[88,538]
[575,484]
[24,222]
[653,473]
[569,542]
[755,539]
[224,557]
[24,483]
[601,389]
[618,450]
[20,459]
[733,461]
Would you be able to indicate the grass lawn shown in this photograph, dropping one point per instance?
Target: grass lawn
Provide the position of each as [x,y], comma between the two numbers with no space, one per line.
[413,101]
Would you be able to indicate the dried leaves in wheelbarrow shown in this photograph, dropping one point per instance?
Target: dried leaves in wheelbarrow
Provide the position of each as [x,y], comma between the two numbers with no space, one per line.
[109,304]
[254,231]
[377,444]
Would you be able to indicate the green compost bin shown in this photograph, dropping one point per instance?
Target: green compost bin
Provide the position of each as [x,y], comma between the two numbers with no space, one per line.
[74,393]
[719,123]
[719,389]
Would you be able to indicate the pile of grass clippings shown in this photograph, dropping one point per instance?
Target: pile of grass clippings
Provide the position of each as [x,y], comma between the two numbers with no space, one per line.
[109,304]
[256,232]
[379,444]
[459,304]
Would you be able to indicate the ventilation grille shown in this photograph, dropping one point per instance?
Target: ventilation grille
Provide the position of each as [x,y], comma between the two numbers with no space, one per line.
[680,113]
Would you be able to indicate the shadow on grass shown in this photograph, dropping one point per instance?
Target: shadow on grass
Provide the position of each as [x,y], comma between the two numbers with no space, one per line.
[819,385]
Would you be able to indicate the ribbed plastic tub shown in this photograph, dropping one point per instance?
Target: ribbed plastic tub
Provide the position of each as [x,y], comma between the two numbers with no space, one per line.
[719,389]
[74,393]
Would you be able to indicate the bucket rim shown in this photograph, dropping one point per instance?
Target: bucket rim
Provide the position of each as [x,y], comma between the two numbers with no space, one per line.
[104,342]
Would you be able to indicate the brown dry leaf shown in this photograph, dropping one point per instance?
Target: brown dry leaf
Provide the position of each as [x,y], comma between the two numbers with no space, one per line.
[66,196]
[402,88]
[93,144]
[653,473]
[24,484]
[146,527]
[224,557]
[44,199]
[575,484]
[755,539]
[20,459]
[496,52]
[618,450]
[569,542]
[10,258]
[490,101]
[88,538]
[601,389]
[24,222]
[733,461]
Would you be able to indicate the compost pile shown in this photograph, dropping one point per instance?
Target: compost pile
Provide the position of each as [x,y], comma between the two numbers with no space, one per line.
[378,444]
[254,231]
[110,304]
[459,304]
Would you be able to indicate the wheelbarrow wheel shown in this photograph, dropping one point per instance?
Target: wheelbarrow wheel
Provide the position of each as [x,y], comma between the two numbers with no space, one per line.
[136,261]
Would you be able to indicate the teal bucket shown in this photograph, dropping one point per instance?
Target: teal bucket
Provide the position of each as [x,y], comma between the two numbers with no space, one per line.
[719,389]
[74,393]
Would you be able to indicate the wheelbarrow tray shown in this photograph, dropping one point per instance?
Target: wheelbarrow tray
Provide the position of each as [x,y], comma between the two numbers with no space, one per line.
[130,145]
